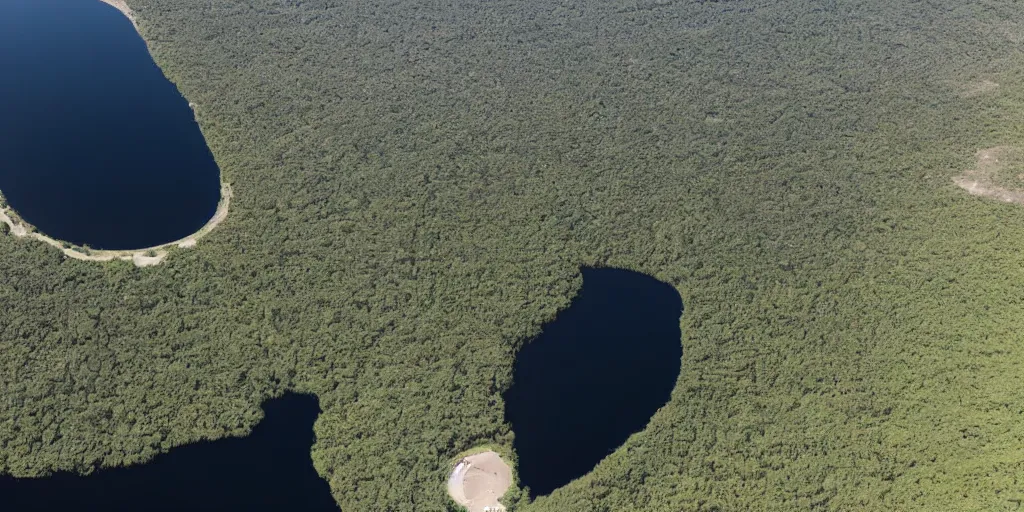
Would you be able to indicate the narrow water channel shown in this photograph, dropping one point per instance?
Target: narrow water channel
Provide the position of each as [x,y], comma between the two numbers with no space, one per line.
[595,376]
[97,147]
[269,470]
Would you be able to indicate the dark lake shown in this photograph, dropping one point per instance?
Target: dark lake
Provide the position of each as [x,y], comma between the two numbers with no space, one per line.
[595,375]
[97,147]
[270,470]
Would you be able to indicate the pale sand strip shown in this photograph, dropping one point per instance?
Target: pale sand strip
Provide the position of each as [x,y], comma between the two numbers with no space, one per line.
[141,257]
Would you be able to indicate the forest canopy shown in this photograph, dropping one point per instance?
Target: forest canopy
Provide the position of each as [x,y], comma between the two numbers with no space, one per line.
[417,184]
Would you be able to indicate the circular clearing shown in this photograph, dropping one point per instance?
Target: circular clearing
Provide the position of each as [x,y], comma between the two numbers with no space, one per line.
[478,481]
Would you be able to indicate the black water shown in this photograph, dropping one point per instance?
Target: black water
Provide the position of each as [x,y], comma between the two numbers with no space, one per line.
[97,147]
[596,374]
[270,470]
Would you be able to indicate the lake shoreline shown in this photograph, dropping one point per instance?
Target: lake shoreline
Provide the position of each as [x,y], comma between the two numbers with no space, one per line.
[144,257]
[127,11]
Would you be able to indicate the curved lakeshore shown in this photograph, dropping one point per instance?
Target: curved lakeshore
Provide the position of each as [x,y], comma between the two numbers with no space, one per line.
[127,11]
[144,257]
[147,234]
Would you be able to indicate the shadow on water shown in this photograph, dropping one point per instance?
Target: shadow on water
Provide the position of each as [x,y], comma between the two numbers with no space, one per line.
[595,376]
[269,470]
[97,147]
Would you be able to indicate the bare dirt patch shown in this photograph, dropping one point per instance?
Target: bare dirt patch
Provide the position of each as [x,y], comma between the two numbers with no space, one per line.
[142,260]
[479,480]
[997,174]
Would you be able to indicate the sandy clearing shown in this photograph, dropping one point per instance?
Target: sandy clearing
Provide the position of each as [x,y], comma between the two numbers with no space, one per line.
[979,181]
[144,257]
[479,480]
[141,260]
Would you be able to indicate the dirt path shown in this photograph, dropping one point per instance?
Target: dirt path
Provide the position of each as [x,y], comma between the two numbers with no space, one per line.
[141,257]
[979,181]
[479,480]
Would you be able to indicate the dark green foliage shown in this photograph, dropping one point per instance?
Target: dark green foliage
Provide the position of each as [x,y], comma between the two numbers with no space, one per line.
[416,185]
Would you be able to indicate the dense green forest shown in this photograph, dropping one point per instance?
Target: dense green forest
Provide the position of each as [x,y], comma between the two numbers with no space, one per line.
[416,185]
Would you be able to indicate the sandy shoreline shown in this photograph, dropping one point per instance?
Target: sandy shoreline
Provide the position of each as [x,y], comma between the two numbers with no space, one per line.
[123,7]
[144,257]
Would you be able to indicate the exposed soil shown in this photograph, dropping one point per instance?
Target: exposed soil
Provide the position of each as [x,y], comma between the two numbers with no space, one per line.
[981,181]
[479,480]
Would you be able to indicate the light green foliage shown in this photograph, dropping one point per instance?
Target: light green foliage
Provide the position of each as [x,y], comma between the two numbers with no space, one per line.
[417,183]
